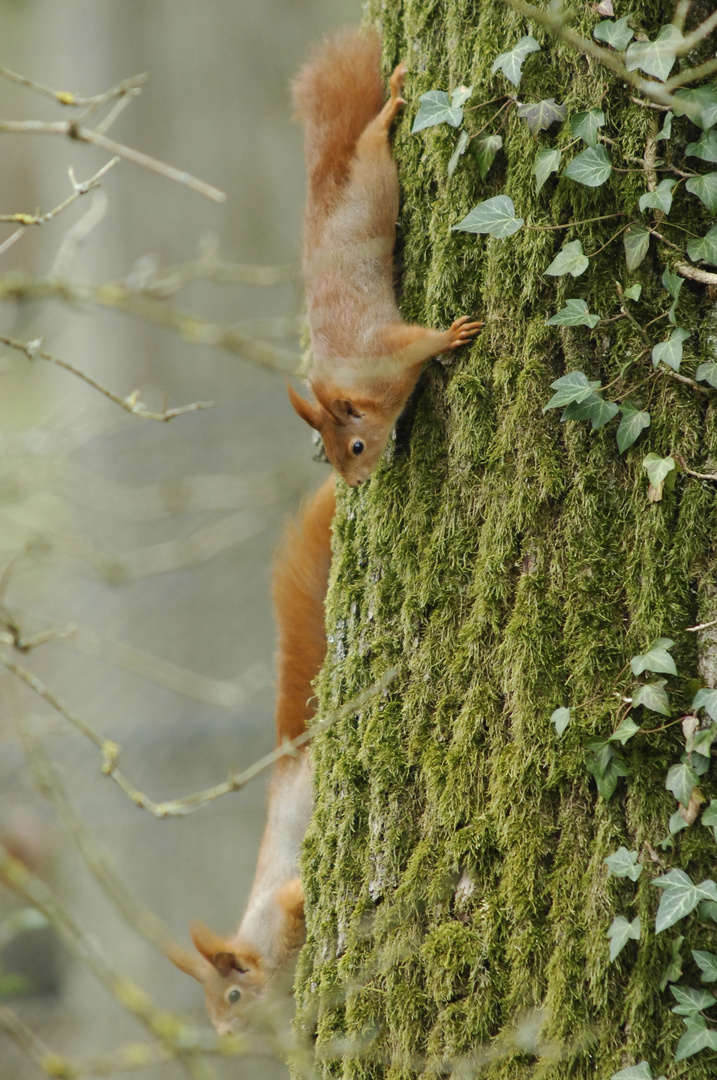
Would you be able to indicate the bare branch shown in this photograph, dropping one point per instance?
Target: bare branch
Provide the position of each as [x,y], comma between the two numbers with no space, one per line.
[79,189]
[130,404]
[74,131]
[702,626]
[189,803]
[690,472]
[694,273]
[65,97]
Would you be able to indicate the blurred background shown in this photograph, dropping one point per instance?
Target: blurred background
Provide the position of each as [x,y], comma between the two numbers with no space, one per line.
[135,555]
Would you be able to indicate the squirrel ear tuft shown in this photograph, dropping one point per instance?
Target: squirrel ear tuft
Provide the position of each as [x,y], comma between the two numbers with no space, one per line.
[189,963]
[307,411]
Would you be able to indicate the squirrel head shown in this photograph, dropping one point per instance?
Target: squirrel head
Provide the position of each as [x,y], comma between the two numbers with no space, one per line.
[230,973]
[353,432]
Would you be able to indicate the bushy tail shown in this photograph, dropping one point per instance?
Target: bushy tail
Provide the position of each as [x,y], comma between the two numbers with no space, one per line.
[301,573]
[336,94]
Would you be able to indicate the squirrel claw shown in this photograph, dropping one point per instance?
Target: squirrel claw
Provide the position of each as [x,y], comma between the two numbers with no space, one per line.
[462,331]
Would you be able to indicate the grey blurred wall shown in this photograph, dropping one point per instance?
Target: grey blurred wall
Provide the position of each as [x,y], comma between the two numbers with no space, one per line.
[217,105]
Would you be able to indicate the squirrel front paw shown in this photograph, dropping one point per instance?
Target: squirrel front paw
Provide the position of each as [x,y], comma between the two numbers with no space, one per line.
[397,80]
[462,331]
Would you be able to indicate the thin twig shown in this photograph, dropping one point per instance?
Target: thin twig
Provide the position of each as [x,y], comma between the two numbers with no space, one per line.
[65,97]
[12,239]
[570,224]
[694,273]
[189,803]
[79,189]
[74,131]
[130,404]
[690,472]
[702,626]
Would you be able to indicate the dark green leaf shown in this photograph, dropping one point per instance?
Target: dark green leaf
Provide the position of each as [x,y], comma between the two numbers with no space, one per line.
[621,931]
[676,823]
[574,386]
[705,248]
[511,63]
[485,151]
[592,167]
[617,33]
[697,1037]
[575,313]
[459,150]
[542,114]
[660,198]
[585,125]
[680,897]
[652,696]
[707,372]
[494,216]
[655,57]
[682,781]
[670,351]
[699,104]
[702,742]
[602,412]
[657,658]
[691,1000]
[623,863]
[665,131]
[673,967]
[625,731]
[637,242]
[546,162]
[707,963]
[570,260]
[436,109]
[581,410]
[705,188]
[706,699]
[633,422]
[705,149]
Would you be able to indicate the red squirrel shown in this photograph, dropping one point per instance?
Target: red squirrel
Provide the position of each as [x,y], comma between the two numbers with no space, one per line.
[236,970]
[366,359]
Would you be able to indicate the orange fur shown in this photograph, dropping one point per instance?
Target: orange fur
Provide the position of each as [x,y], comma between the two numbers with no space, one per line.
[237,970]
[366,360]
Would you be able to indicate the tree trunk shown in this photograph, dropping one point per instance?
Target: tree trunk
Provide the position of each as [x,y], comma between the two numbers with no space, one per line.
[457,896]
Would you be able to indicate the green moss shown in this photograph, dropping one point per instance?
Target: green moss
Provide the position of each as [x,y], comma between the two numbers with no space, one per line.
[508,564]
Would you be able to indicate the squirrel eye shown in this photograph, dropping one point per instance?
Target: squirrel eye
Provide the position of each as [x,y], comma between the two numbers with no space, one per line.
[357,447]
[233,996]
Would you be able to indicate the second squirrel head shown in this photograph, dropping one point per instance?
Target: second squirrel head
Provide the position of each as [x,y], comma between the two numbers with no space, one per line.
[354,434]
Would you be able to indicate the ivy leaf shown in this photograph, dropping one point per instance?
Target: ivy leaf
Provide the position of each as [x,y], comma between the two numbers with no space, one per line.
[485,151]
[707,963]
[680,897]
[458,152]
[706,699]
[546,162]
[660,198]
[705,248]
[655,57]
[575,313]
[621,931]
[617,34]
[708,910]
[709,817]
[435,109]
[637,242]
[642,1070]
[699,104]
[673,967]
[494,216]
[658,471]
[561,719]
[657,658]
[607,767]
[592,167]
[653,696]
[707,372]
[574,386]
[623,863]
[602,413]
[581,410]
[570,260]
[511,63]
[697,1037]
[633,422]
[682,781]
[703,739]
[670,351]
[634,292]
[676,824]
[705,188]
[541,115]
[625,731]
[665,131]
[705,149]
[585,126]
[691,1000]
[460,96]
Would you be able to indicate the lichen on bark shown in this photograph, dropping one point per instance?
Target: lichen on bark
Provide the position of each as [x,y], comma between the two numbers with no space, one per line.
[508,564]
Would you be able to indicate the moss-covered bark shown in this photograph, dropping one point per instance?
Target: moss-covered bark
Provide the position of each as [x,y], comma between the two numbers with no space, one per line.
[508,564]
